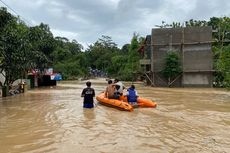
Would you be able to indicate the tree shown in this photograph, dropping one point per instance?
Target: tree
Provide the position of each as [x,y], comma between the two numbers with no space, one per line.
[222,28]
[221,36]
[125,49]
[100,53]
[172,67]
[107,42]
[132,66]
[74,47]
[118,64]
[21,47]
[223,65]
[195,23]
[42,44]
[14,45]
[68,58]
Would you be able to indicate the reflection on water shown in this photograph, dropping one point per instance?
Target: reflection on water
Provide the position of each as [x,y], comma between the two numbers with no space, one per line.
[53,120]
[89,114]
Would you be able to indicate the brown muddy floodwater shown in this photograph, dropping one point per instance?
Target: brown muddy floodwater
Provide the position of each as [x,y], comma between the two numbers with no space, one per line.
[52,120]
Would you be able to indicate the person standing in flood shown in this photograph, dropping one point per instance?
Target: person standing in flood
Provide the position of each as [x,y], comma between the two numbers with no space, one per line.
[88,93]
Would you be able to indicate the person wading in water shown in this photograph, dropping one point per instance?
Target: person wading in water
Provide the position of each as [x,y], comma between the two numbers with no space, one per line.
[88,93]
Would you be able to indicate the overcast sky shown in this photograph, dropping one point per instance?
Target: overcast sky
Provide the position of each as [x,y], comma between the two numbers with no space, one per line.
[88,20]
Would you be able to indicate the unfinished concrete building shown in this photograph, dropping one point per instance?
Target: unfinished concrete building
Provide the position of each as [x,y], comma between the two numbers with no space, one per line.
[194,47]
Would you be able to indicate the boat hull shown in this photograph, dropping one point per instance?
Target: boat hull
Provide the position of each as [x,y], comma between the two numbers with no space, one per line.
[122,103]
[114,102]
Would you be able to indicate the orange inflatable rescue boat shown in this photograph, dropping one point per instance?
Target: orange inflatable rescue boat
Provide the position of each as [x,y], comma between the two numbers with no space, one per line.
[123,104]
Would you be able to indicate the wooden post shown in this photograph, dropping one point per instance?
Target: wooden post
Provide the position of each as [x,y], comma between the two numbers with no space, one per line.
[152,65]
[182,56]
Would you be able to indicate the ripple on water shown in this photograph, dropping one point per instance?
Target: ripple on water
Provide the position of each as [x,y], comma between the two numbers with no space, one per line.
[53,120]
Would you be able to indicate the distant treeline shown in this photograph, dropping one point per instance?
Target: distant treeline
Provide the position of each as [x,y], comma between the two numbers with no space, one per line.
[23,48]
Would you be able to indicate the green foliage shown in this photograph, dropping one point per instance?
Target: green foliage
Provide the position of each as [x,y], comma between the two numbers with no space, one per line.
[125,49]
[220,49]
[130,68]
[74,47]
[118,64]
[70,69]
[14,47]
[127,73]
[172,66]
[100,53]
[222,30]
[223,66]
[195,23]
[21,47]
[68,59]
[42,39]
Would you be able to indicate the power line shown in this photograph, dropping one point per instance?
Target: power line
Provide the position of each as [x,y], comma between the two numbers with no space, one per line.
[28,22]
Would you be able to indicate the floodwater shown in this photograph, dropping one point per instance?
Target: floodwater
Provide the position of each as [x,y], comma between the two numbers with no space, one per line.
[52,120]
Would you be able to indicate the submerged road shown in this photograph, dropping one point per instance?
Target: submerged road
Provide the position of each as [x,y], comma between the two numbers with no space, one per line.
[52,120]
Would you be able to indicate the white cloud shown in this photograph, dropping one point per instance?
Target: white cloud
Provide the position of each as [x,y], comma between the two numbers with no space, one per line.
[87,20]
[68,34]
